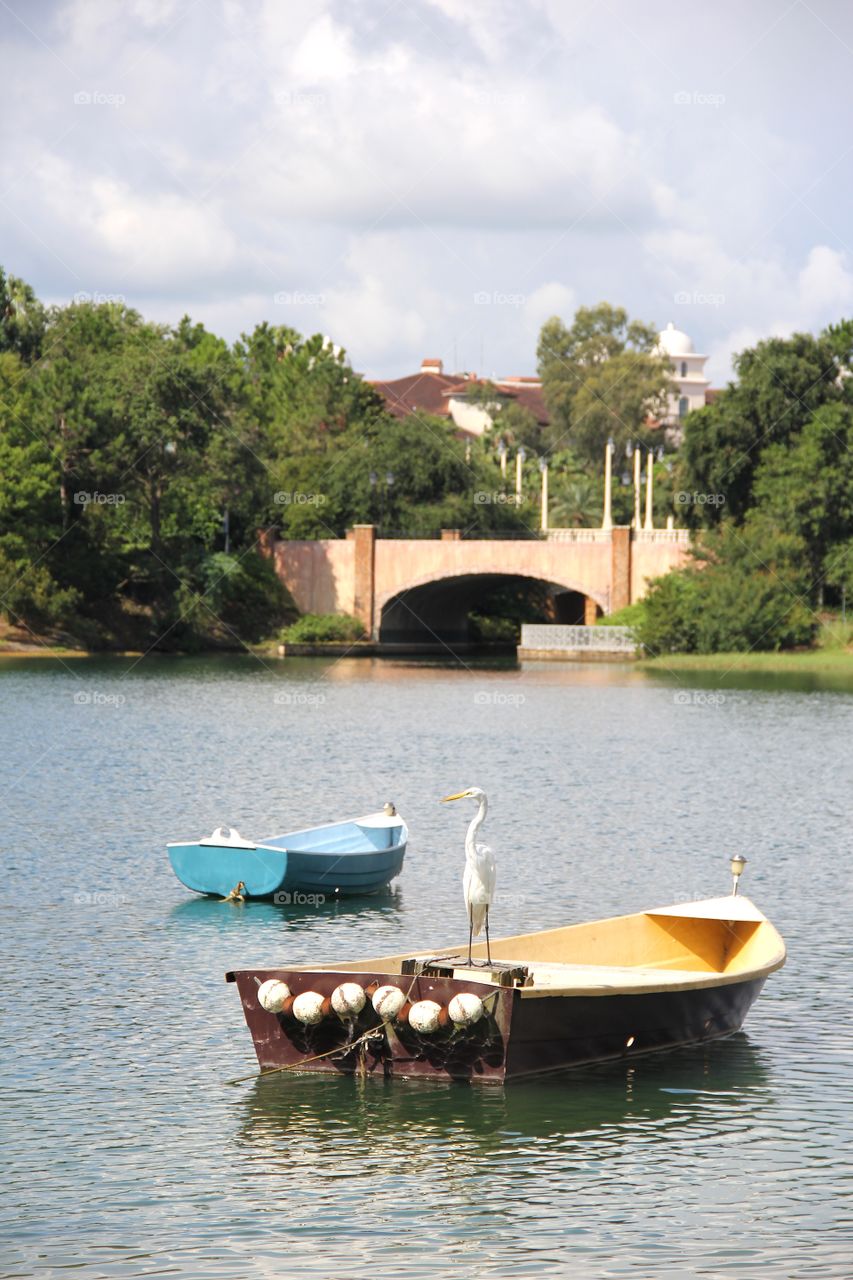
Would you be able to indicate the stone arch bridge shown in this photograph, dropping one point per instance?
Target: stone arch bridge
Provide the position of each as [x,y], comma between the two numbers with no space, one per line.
[417,590]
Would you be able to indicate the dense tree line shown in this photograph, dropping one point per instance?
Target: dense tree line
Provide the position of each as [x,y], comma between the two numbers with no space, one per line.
[141,463]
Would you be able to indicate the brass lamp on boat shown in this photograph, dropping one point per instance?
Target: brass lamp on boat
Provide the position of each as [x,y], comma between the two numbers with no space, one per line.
[737,865]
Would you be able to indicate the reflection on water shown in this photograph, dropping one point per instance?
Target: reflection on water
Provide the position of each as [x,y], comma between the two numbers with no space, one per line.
[832,679]
[214,913]
[129,1153]
[284,1114]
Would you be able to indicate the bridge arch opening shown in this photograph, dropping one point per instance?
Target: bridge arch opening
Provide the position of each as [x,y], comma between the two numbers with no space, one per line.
[478,608]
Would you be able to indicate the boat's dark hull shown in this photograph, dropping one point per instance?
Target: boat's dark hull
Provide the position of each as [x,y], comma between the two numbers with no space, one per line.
[551,1033]
[520,1035]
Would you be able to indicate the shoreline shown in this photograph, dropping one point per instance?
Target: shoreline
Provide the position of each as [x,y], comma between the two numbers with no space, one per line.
[833,661]
[786,661]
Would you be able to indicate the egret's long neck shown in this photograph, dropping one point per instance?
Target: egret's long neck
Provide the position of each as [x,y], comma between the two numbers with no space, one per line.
[476,822]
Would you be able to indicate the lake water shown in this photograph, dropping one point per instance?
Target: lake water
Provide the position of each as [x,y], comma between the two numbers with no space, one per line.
[127,1150]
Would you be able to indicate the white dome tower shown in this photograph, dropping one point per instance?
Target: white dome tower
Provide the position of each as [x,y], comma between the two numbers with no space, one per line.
[688,373]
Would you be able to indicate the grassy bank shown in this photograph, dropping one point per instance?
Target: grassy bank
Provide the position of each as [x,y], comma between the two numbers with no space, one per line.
[836,661]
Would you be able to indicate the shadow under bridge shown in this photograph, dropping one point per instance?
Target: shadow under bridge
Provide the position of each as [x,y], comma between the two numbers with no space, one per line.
[441,610]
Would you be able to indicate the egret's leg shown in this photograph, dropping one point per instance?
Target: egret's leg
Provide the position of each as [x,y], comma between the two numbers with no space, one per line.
[470,932]
[488,948]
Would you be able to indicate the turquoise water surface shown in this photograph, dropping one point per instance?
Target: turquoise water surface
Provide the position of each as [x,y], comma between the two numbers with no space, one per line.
[127,1150]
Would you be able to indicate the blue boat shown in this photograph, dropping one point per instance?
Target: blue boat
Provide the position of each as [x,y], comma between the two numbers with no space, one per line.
[341,859]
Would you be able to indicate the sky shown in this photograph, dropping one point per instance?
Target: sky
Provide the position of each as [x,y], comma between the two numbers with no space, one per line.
[434,177]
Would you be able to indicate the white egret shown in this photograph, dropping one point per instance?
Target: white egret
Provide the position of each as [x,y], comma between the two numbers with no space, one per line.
[478,882]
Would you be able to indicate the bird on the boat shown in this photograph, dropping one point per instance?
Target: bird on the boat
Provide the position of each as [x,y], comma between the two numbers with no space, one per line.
[478,881]
[236,894]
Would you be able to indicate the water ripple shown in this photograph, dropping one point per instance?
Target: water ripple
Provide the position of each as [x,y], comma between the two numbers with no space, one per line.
[126,1151]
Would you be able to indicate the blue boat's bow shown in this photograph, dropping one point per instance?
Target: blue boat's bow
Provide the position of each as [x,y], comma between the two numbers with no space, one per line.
[220,861]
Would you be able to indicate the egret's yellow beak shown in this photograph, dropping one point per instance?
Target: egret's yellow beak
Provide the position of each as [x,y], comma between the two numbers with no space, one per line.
[460,795]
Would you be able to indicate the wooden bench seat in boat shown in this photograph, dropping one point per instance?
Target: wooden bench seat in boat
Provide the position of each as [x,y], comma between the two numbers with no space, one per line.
[591,979]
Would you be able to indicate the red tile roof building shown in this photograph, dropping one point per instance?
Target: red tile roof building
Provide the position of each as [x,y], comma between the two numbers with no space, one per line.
[433,391]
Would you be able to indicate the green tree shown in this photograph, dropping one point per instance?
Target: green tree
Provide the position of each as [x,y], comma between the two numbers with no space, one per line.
[838,568]
[408,475]
[780,384]
[516,425]
[22,318]
[575,498]
[601,377]
[807,486]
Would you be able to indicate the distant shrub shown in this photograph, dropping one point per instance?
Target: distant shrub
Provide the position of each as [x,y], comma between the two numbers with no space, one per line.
[492,628]
[246,595]
[670,621]
[835,634]
[633,615]
[747,591]
[30,595]
[317,628]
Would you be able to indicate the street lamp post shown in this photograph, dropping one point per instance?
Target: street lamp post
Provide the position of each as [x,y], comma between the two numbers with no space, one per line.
[607,521]
[638,484]
[519,463]
[543,467]
[650,461]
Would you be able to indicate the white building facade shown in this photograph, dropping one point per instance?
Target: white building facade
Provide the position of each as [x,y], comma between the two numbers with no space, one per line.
[688,374]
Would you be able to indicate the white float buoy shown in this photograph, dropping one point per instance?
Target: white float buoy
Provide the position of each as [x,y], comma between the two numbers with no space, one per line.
[423,1016]
[388,1001]
[272,995]
[308,1008]
[465,1009]
[348,1000]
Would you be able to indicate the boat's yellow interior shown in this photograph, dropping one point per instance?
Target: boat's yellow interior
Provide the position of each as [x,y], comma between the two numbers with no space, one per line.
[665,943]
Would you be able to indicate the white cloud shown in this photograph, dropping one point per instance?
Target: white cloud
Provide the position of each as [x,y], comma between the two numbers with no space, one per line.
[552,299]
[324,54]
[398,163]
[744,300]
[825,284]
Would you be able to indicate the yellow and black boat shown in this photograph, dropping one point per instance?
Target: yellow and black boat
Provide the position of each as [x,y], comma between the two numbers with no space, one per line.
[559,998]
